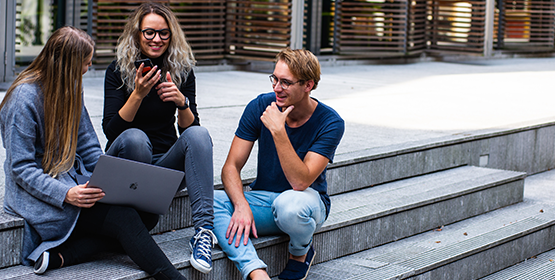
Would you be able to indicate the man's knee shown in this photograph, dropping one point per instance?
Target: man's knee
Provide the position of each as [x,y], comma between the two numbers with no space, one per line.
[290,201]
[287,207]
[293,207]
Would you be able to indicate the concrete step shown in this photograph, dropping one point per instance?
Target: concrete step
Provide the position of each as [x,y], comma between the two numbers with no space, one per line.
[526,149]
[469,249]
[11,234]
[398,209]
[364,169]
[533,268]
[411,206]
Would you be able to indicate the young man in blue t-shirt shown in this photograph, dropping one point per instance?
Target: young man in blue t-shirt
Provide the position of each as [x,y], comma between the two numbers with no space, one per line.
[297,136]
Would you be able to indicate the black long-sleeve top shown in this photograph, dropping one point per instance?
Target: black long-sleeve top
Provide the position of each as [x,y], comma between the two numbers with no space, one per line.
[154,117]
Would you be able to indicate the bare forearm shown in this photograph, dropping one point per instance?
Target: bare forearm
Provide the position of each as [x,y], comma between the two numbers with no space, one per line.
[130,108]
[295,170]
[233,186]
[185,117]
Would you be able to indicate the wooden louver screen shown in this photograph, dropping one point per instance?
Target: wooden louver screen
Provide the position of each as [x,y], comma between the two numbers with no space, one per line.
[456,25]
[258,28]
[525,24]
[203,22]
[416,40]
[373,27]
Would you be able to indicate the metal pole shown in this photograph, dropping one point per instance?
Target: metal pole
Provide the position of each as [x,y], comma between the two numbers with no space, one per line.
[488,34]
[314,26]
[500,24]
[7,40]
[90,17]
[297,14]
[336,15]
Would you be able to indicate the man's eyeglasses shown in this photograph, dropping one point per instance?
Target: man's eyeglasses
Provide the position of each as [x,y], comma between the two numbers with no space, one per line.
[150,33]
[283,83]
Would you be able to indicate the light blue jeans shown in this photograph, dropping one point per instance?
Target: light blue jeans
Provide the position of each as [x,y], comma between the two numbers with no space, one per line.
[298,214]
[191,153]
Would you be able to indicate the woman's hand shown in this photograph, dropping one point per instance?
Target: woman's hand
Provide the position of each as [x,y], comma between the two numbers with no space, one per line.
[143,84]
[83,196]
[168,91]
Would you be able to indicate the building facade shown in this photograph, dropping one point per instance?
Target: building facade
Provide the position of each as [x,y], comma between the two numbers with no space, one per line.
[234,31]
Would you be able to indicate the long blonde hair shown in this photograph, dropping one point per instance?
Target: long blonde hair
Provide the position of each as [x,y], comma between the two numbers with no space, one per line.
[58,72]
[178,58]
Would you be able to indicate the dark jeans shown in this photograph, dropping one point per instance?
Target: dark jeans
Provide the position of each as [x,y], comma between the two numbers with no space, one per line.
[191,153]
[106,227]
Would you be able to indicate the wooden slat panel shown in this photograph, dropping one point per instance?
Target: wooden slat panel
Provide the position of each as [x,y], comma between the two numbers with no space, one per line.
[416,26]
[258,29]
[525,24]
[375,26]
[203,22]
[199,20]
[456,25]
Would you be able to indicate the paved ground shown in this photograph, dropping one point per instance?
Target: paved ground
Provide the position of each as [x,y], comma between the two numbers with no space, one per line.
[383,105]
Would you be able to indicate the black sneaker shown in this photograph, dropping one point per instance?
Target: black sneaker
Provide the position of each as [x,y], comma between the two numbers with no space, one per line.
[42,263]
[298,270]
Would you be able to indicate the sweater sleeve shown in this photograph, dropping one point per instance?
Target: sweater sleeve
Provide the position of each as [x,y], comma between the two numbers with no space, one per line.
[115,96]
[21,132]
[189,90]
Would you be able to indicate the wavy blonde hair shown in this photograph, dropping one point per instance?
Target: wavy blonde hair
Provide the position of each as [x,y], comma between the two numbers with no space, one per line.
[179,56]
[58,72]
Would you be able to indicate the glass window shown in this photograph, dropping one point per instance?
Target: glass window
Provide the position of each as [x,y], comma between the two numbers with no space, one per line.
[35,21]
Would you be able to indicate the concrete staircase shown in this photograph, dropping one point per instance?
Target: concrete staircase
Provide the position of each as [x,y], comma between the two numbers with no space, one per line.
[469,249]
[537,267]
[444,209]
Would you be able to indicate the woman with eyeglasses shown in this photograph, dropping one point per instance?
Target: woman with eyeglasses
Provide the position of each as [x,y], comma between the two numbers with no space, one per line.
[140,108]
[50,141]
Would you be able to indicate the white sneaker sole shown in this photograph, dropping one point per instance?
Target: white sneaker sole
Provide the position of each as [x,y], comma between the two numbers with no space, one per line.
[44,264]
[197,265]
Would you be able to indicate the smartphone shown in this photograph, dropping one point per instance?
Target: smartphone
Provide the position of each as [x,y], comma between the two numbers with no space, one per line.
[148,64]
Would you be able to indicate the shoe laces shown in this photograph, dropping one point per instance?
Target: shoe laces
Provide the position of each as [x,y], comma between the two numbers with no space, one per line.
[204,241]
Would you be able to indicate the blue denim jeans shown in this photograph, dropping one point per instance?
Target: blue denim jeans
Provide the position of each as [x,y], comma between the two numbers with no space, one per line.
[191,153]
[295,213]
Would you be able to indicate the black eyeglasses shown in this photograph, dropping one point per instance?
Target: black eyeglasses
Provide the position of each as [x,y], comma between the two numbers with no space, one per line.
[150,33]
[283,83]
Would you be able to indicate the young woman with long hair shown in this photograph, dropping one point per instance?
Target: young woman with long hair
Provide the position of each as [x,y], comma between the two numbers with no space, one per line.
[140,114]
[50,141]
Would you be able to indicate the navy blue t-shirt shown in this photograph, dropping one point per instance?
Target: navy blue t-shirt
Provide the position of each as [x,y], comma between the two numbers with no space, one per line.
[320,134]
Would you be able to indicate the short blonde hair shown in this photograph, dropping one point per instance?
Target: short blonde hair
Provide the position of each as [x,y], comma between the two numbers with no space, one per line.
[303,64]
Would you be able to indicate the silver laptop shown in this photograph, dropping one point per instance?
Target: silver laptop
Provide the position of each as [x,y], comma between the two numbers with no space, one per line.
[143,186]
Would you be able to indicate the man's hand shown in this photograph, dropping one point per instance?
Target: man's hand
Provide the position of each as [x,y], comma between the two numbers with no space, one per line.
[242,221]
[273,119]
[82,196]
